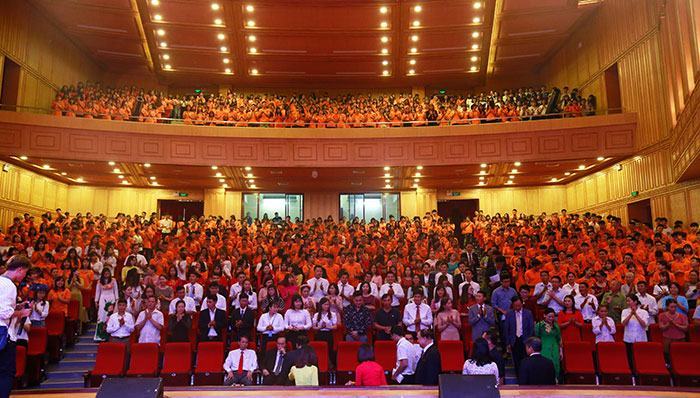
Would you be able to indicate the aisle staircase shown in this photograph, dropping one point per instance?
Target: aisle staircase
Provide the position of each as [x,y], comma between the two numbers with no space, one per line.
[78,359]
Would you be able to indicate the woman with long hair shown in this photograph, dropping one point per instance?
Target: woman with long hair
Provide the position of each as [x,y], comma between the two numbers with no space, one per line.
[106,295]
[297,320]
[447,321]
[325,321]
[570,320]
[480,362]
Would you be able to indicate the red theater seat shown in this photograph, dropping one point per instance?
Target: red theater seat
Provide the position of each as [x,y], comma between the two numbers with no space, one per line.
[144,360]
[694,333]
[347,360]
[109,362]
[73,322]
[36,354]
[451,356]
[613,364]
[321,350]
[655,334]
[251,345]
[650,365]
[20,366]
[177,364]
[578,363]
[385,354]
[587,333]
[209,369]
[684,364]
[55,329]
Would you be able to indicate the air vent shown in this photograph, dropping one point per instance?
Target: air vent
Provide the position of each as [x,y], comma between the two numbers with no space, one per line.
[358,172]
[276,172]
[355,183]
[282,184]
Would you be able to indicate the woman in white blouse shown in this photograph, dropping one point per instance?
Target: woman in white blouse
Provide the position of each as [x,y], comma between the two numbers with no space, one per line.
[635,321]
[297,320]
[270,324]
[603,327]
[481,363]
[325,321]
[40,307]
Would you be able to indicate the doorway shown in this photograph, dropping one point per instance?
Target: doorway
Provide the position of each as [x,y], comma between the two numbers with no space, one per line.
[181,210]
[9,90]
[457,210]
[640,211]
[612,89]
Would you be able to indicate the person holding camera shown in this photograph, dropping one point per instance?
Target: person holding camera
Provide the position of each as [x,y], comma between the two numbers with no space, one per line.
[17,267]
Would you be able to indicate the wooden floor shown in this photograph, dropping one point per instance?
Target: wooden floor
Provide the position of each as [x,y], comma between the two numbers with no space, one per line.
[386,392]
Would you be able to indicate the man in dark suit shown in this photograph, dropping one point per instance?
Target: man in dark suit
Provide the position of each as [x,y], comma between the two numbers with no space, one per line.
[429,366]
[242,319]
[470,257]
[273,364]
[518,327]
[536,369]
[480,316]
[212,321]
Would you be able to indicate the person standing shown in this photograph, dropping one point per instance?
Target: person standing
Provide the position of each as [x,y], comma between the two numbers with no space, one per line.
[407,355]
[429,365]
[417,315]
[536,369]
[120,324]
[149,322]
[519,326]
[481,316]
[550,334]
[17,268]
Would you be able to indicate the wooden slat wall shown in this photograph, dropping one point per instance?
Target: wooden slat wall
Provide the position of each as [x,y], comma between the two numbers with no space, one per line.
[528,200]
[110,201]
[22,191]
[48,59]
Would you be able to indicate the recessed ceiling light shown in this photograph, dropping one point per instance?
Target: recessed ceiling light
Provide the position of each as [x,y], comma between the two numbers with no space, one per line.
[253,186]
[511,177]
[225,185]
[79,179]
[155,183]
[46,167]
[472,68]
[168,66]
[251,23]
[249,175]
[568,173]
[482,178]
[418,8]
[419,167]
[387,175]
[414,50]
[253,50]
[476,20]
[252,38]
[218,174]
[474,58]
[514,171]
[477,5]
[223,49]
[63,173]
[414,186]
[384,24]
[385,73]
[517,164]
[166,57]
[222,180]
[160,32]
[221,36]
[214,167]
[385,39]
[125,182]
[385,51]
[509,182]
[416,23]
[116,170]
[383,10]
[121,177]
[482,183]
[475,46]
[387,168]
[412,62]
[111,163]
[218,21]
[600,158]
[385,62]
[253,71]
[247,168]
[155,2]
[387,186]
[475,34]
[215,6]
[387,180]
[158,17]
[484,165]
[482,172]
[411,71]
[146,165]
[226,60]
[227,70]
[153,177]
[249,8]
[416,180]
[418,175]
[414,38]
[164,44]
[582,167]
[23,157]
[554,179]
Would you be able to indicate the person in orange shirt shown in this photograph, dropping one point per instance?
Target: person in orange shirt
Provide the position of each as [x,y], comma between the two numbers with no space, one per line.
[59,296]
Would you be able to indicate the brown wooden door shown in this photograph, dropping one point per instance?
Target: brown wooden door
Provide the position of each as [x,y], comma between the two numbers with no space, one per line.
[457,210]
[181,210]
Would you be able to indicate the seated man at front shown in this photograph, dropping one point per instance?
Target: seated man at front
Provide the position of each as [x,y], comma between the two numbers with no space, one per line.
[358,318]
[240,365]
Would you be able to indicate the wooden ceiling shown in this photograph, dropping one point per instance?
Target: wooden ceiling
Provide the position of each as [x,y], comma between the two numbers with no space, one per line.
[317,43]
[301,179]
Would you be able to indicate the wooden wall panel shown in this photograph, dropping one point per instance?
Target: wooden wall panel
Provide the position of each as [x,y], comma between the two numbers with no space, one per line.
[110,201]
[22,191]
[321,204]
[533,200]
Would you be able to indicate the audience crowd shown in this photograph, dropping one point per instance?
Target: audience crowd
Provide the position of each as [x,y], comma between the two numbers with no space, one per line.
[92,100]
[514,285]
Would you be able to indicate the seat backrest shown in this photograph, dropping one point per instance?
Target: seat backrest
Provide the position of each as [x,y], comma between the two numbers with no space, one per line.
[347,355]
[612,357]
[587,333]
[648,356]
[177,357]
[20,361]
[684,357]
[655,333]
[110,357]
[321,349]
[451,355]
[385,354]
[73,310]
[578,357]
[144,356]
[234,345]
[210,357]
[37,341]
[55,323]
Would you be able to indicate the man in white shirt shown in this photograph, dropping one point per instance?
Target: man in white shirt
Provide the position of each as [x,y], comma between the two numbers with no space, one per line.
[374,289]
[17,268]
[542,288]
[220,300]
[166,225]
[469,283]
[150,322]
[393,289]
[586,302]
[602,326]
[236,288]
[194,290]
[417,315]
[240,365]
[570,287]
[120,324]
[407,355]
[318,284]
[141,261]
[648,302]
[190,304]
[555,297]
[442,270]
[345,289]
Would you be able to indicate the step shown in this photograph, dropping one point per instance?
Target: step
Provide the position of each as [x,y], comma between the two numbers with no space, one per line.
[67,383]
[76,364]
[84,347]
[81,355]
[64,374]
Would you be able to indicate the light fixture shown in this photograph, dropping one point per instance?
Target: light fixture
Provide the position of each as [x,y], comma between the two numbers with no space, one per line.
[384,24]
[511,177]
[385,73]
[419,167]
[477,5]
[23,157]
[253,186]
[215,6]
[125,182]
[223,49]
[482,178]
[253,71]
[46,167]
[116,170]
[253,50]
[387,186]
[163,44]
[249,8]
[387,175]
[247,168]
[121,177]
[517,164]
[155,3]
[79,179]
[158,17]
[166,57]
[600,158]
[218,21]
[484,165]
[482,172]
[476,20]
[252,38]
[513,171]
[416,180]
[416,23]
[414,50]
[146,165]
[385,51]
[412,62]
[568,173]
[160,32]
[554,179]
[222,180]
[475,35]
[153,177]
[218,174]
[214,167]
[475,46]
[472,68]
[63,173]
[474,58]
[249,175]
[383,10]
[251,23]
[418,8]
[227,70]
[385,39]
[414,38]
[226,60]
[582,167]
[387,168]
[418,174]
[482,183]
[385,62]
[225,186]
[167,66]
[387,180]
[411,71]
[111,163]
[154,183]
[509,182]
[221,36]
[414,186]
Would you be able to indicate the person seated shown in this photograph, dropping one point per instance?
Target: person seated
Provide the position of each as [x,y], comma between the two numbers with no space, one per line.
[385,319]
[270,325]
[358,319]
[240,364]
[242,318]
[179,324]
[304,372]
[480,362]
[273,363]
[368,372]
[536,369]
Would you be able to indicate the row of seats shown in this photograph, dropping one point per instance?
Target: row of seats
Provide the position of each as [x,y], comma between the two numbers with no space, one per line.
[608,363]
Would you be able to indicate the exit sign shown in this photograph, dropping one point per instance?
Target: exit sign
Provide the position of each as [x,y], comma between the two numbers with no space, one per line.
[455,193]
[183,194]
[635,193]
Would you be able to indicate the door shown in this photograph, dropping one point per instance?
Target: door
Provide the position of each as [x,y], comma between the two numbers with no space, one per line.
[10,85]
[640,211]
[457,210]
[612,89]
[181,210]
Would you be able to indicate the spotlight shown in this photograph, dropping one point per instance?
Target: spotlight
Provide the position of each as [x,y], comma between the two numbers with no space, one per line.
[412,62]
[223,49]
[418,8]
[226,60]
[416,23]
[385,51]
[582,167]
[253,71]
[218,21]
[484,165]
[247,168]
[385,39]
[215,6]
[477,5]
[414,50]
[249,8]
[411,71]
[221,36]
[160,32]
[155,3]
[168,66]
[385,73]
[166,57]
[414,38]
[384,24]
[158,17]
[251,23]
[385,62]
[474,58]
[473,68]
[517,164]
[383,10]
[476,20]
[475,35]
[600,158]
[227,70]
[252,38]
[475,46]
[146,165]
[153,177]
[253,50]
[23,157]
[111,163]
[214,167]
[387,168]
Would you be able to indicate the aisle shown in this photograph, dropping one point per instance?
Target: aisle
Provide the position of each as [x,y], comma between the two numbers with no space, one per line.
[78,359]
